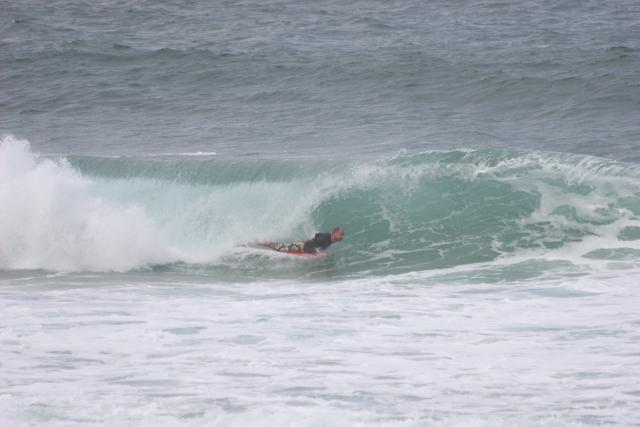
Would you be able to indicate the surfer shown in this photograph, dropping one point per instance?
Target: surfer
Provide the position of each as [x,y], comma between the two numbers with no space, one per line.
[320,242]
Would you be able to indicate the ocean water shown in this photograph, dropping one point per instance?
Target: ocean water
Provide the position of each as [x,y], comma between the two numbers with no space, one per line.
[483,158]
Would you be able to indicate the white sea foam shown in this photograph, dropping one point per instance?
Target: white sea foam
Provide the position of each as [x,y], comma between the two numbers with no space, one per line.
[389,351]
[50,218]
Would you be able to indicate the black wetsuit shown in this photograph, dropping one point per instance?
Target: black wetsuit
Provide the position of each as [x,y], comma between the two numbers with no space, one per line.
[320,242]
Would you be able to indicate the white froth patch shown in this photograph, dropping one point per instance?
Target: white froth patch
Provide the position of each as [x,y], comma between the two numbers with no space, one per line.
[389,351]
[50,219]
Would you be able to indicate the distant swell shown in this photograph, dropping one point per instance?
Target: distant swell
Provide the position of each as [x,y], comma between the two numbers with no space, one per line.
[404,213]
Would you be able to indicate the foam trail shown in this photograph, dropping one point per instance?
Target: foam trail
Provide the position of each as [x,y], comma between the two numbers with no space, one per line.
[50,219]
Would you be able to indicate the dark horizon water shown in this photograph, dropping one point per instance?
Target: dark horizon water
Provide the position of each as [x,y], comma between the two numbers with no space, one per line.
[483,158]
[307,79]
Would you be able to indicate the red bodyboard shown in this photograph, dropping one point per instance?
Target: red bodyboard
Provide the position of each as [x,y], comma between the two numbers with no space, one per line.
[306,255]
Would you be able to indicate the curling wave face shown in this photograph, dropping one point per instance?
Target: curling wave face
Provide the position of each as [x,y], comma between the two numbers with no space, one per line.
[432,211]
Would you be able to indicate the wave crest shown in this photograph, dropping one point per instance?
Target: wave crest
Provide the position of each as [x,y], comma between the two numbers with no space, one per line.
[409,212]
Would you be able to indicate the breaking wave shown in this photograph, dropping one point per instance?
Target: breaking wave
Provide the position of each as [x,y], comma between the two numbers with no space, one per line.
[405,213]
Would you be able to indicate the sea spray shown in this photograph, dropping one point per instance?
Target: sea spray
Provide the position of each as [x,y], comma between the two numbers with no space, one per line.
[51,218]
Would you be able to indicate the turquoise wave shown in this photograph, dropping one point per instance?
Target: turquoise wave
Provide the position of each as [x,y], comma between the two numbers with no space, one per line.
[405,213]
[410,212]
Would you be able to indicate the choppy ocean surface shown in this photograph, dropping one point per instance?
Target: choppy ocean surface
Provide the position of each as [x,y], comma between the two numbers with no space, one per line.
[483,158]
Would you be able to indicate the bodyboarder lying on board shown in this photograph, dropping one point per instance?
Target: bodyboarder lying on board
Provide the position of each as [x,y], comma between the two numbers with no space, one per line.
[320,242]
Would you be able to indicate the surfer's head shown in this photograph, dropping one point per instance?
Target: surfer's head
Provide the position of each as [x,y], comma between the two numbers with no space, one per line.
[337,234]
